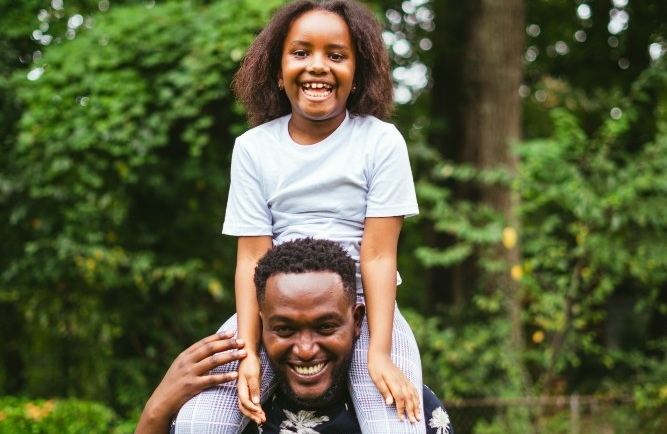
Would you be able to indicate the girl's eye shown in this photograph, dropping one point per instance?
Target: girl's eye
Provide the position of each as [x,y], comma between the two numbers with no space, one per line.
[336,57]
[300,54]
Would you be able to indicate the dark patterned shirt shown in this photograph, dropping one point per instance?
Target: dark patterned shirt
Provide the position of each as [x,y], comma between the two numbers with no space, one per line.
[284,417]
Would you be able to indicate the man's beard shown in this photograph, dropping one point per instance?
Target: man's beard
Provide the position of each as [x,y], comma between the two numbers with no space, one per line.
[338,382]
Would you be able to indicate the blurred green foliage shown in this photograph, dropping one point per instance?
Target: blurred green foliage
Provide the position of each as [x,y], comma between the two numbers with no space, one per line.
[112,199]
[594,267]
[113,183]
[70,416]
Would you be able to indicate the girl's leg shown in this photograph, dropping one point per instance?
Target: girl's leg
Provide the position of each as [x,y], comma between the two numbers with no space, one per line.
[374,415]
[216,410]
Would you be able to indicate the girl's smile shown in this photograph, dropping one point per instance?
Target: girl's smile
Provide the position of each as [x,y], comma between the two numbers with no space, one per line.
[317,73]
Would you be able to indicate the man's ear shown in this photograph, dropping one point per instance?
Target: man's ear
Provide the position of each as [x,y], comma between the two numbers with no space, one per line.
[358,313]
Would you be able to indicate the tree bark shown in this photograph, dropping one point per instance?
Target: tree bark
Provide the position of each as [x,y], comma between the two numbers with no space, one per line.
[492,118]
[477,74]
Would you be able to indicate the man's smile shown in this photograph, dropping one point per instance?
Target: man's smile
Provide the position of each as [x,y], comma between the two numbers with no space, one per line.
[309,371]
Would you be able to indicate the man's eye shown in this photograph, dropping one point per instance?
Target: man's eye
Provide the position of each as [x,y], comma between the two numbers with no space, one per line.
[282,331]
[327,328]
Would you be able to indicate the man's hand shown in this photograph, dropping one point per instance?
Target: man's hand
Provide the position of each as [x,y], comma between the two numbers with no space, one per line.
[394,386]
[249,389]
[188,376]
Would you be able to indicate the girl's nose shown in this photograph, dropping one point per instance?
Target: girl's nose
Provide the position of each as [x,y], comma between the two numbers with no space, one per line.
[317,65]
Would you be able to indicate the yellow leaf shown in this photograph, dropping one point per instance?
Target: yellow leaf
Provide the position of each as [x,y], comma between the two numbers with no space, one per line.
[215,289]
[509,237]
[663,392]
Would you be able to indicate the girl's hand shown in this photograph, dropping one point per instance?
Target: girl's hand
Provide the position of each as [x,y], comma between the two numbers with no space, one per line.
[187,376]
[248,385]
[394,386]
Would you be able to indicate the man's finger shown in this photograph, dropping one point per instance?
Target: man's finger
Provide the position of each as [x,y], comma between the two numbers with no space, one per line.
[219,359]
[207,340]
[218,379]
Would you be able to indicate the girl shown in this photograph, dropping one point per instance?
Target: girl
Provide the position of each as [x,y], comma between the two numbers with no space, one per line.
[320,162]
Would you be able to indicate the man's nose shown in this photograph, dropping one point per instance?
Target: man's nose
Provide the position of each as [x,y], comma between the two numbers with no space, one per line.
[306,347]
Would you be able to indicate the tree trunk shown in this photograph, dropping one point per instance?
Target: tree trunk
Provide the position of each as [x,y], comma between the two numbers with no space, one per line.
[477,75]
[492,118]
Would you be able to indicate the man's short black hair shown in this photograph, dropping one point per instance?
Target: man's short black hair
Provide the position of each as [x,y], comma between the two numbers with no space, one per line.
[306,255]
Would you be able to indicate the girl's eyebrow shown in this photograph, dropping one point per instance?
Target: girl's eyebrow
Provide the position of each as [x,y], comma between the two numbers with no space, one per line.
[333,45]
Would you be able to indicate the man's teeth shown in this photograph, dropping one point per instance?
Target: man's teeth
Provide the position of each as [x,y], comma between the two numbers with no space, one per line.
[309,370]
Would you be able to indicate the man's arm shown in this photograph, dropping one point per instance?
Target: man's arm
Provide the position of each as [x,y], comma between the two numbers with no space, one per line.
[188,376]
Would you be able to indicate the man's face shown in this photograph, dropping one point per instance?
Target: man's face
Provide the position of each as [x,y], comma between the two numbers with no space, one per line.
[308,328]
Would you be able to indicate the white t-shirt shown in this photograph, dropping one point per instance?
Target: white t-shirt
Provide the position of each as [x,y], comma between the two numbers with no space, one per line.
[324,190]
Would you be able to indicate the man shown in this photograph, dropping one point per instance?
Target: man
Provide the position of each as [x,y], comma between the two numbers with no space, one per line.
[310,319]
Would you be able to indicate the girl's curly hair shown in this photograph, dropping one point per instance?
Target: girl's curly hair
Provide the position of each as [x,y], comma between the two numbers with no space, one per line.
[255,84]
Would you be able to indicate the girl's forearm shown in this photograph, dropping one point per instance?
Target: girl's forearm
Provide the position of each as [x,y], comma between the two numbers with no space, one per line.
[378,273]
[380,295]
[250,250]
[247,318]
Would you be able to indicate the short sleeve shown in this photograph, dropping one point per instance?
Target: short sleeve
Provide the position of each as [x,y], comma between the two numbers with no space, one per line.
[247,212]
[391,188]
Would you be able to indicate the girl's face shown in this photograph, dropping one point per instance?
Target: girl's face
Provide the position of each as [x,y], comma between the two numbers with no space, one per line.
[317,67]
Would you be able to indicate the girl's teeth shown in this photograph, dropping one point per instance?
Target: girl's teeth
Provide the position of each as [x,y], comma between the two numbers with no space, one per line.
[316,85]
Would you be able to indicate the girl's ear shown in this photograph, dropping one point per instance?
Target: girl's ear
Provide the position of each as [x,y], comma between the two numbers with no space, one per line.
[280,81]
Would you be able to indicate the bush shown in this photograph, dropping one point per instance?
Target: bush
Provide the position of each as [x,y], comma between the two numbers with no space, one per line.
[70,416]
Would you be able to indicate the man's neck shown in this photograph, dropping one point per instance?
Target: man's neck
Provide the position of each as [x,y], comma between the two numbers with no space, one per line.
[339,395]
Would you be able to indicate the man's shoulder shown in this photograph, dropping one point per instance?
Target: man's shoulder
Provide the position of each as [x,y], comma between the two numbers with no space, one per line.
[437,419]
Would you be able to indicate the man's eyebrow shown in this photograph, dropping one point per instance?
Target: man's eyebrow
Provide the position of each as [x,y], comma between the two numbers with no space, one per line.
[330,317]
[319,319]
[280,318]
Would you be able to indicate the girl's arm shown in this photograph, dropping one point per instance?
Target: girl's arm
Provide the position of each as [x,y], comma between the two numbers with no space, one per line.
[378,272]
[250,250]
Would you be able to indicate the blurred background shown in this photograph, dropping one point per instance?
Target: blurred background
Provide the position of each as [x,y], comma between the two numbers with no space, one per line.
[535,276]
